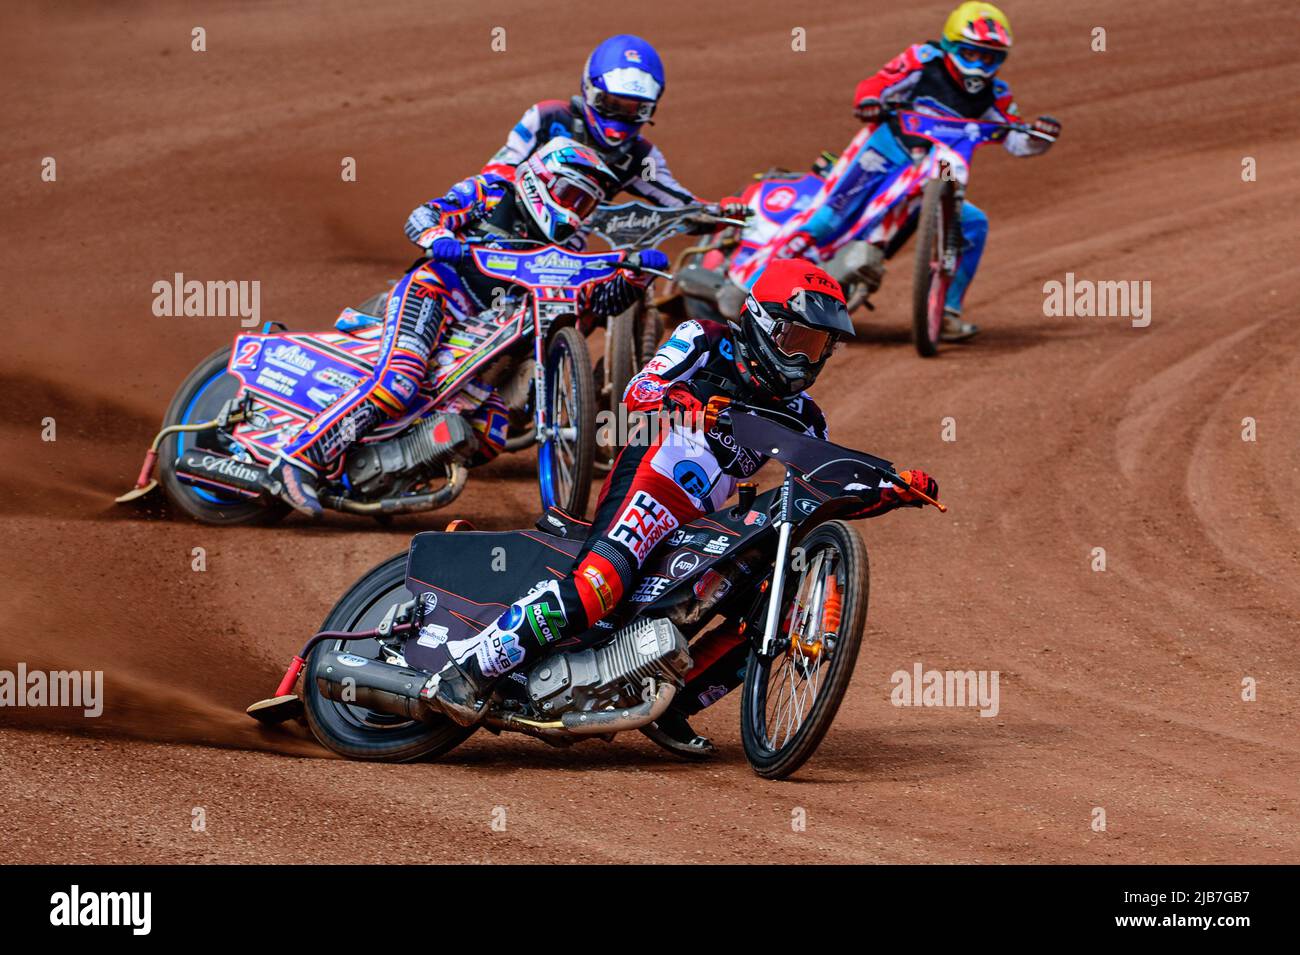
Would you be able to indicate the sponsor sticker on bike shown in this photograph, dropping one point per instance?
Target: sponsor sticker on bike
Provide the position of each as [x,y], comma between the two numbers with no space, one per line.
[650,590]
[432,635]
[717,545]
[684,564]
[290,358]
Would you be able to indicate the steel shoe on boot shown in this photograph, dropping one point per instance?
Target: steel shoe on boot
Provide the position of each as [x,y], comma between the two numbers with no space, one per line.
[295,484]
[460,691]
[955,330]
[674,733]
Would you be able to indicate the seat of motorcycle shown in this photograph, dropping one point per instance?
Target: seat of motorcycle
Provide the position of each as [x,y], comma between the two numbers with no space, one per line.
[560,523]
[474,576]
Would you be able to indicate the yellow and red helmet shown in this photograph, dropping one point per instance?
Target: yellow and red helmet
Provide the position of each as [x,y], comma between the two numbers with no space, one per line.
[976,39]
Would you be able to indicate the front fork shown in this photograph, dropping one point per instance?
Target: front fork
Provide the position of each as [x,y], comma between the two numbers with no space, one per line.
[785,530]
[952,237]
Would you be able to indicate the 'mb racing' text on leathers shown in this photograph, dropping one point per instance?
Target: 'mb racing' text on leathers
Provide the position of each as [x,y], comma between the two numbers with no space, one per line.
[421,310]
[873,189]
[640,166]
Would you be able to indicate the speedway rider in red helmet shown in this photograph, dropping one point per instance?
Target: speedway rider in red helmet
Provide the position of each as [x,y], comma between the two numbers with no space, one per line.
[765,359]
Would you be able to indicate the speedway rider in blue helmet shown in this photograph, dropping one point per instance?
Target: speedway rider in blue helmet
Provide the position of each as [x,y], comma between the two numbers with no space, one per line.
[622,83]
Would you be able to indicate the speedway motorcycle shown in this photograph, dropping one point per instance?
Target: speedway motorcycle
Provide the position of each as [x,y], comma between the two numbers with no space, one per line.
[633,337]
[224,423]
[784,566]
[942,171]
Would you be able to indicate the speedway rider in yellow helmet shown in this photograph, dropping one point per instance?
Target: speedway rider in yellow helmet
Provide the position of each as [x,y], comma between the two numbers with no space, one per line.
[953,76]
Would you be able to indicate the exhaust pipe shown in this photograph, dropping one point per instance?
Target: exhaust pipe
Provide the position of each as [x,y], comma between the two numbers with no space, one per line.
[382,687]
[616,721]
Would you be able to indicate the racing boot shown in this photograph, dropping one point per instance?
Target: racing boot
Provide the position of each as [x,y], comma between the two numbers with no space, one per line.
[460,691]
[674,733]
[955,330]
[462,688]
[295,484]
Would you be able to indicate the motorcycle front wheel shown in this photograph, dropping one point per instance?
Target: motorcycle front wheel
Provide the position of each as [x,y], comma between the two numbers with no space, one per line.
[566,459]
[930,280]
[790,698]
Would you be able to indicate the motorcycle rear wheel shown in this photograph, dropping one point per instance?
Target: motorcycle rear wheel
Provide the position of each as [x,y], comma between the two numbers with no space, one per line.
[789,700]
[199,398]
[354,731]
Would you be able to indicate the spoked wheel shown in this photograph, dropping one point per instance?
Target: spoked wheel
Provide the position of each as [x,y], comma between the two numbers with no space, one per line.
[790,699]
[354,731]
[200,398]
[566,458]
[618,366]
[649,333]
[933,271]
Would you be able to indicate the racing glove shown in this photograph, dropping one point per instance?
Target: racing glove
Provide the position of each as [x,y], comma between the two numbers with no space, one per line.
[645,259]
[652,259]
[868,109]
[733,207]
[681,402]
[915,479]
[890,497]
[446,250]
[1048,125]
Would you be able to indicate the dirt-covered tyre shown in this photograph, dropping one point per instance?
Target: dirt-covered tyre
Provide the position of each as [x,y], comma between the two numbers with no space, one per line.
[199,398]
[566,459]
[930,280]
[790,699]
[354,731]
[622,353]
[649,334]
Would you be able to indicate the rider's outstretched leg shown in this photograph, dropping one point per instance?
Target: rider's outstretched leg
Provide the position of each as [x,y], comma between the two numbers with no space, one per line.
[639,506]
[411,330]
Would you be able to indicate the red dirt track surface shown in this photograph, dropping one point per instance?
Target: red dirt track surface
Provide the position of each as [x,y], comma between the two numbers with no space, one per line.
[1120,689]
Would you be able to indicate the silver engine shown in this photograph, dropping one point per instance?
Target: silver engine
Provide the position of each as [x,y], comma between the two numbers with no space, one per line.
[621,685]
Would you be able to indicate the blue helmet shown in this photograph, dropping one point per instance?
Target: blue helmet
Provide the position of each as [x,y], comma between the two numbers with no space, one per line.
[621,85]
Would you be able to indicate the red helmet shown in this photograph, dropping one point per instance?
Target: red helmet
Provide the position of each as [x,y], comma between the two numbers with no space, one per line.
[794,315]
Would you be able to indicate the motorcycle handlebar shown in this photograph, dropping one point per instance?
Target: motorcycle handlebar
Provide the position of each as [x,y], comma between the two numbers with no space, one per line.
[633,264]
[892,113]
